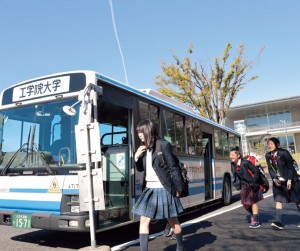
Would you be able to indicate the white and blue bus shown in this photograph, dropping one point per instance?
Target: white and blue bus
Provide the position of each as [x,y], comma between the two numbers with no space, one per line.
[39,167]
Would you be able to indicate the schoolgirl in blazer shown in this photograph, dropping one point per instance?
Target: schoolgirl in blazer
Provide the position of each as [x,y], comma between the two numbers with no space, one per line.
[247,184]
[244,176]
[164,173]
[286,183]
[162,184]
[281,165]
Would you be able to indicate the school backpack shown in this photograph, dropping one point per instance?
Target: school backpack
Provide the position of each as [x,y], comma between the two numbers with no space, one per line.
[295,165]
[264,183]
[181,166]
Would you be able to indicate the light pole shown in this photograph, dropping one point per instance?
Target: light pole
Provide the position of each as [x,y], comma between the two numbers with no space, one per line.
[286,136]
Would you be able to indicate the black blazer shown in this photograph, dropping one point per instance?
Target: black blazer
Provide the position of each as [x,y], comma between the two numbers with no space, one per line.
[169,176]
[284,167]
[243,174]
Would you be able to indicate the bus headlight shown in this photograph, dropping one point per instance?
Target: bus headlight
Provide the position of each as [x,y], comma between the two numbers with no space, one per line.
[75,209]
[73,223]
[74,198]
[87,223]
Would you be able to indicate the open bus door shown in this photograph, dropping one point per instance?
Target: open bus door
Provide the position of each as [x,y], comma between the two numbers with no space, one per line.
[114,129]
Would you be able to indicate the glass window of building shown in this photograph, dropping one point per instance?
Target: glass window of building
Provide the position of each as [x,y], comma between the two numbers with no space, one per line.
[271,120]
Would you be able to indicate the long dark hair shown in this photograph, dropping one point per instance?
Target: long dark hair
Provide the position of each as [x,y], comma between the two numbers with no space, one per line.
[237,151]
[148,128]
[275,141]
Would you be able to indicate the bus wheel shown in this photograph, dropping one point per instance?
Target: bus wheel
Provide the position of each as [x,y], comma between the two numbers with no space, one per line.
[227,193]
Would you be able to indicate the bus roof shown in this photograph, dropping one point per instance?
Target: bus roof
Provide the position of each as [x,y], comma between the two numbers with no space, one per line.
[162,99]
[91,76]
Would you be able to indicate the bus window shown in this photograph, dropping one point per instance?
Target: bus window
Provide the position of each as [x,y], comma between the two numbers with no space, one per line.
[233,141]
[194,143]
[19,135]
[218,144]
[113,124]
[40,133]
[148,111]
[55,129]
[154,116]
[113,135]
[143,110]
[179,133]
[168,128]
[225,144]
[173,131]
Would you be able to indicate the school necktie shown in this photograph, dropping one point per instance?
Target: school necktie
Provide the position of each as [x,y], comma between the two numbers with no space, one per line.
[273,158]
[237,167]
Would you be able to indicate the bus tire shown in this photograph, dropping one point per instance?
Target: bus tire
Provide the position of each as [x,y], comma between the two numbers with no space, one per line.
[227,192]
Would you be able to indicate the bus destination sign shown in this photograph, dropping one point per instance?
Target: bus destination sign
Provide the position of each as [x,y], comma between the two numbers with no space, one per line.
[45,87]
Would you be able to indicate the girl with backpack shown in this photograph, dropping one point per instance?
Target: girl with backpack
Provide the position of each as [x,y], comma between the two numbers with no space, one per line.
[248,184]
[286,183]
[161,186]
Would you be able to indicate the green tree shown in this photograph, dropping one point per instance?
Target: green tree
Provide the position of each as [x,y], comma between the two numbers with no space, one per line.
[209,93]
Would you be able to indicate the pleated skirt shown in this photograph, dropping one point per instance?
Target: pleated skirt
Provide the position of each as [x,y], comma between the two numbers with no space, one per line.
[248,196]
[281,194]
[157,203]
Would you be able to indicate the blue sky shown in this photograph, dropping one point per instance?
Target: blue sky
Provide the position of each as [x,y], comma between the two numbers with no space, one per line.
[45,37]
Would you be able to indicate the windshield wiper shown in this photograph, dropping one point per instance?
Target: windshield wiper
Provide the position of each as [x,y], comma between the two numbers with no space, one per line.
[31,150]
[4,171]
[42,156]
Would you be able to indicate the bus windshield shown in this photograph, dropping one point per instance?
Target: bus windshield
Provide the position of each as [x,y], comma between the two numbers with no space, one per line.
[37,137]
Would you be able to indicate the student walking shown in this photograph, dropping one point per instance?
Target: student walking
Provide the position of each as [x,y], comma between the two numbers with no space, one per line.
[286,183]
[246,179]
[160,196]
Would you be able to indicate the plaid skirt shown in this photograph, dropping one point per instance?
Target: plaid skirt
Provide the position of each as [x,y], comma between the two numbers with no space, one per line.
[157,203]
[248,196]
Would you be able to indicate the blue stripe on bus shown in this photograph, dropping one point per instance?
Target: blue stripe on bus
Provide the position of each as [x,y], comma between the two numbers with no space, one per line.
[33,206]
[203,180]
[196,190]
[218,178]
[40,190]
[28,190]
[71,191]
[218,186]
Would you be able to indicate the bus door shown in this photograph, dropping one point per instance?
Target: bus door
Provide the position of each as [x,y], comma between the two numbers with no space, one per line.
[114,134]
[207,154]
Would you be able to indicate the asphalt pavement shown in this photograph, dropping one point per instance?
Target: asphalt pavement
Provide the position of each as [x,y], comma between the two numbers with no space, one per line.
[228,229]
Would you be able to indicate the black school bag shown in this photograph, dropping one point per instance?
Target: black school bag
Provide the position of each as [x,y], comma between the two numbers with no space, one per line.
[181,166]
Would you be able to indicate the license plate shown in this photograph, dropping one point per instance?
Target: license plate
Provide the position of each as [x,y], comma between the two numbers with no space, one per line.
[21,220]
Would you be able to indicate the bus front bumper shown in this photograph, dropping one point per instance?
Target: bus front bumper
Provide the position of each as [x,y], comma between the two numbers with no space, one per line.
[67,222]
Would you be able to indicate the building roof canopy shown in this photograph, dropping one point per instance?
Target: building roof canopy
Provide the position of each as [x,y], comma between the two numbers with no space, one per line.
[275,105]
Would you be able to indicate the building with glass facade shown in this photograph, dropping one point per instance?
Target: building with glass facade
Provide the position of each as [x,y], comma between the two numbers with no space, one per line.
[258,121]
